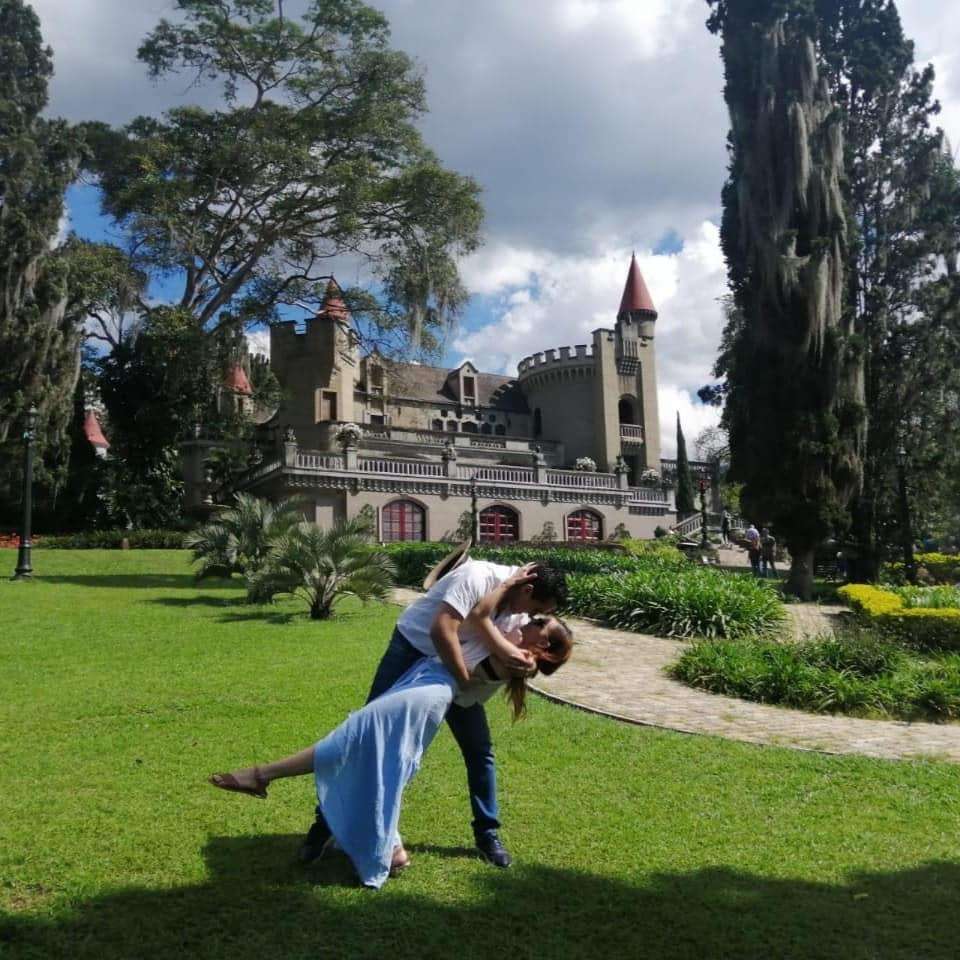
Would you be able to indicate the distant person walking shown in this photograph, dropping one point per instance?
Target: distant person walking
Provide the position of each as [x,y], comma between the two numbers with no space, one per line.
[768,553]
[725,523]
[752,537]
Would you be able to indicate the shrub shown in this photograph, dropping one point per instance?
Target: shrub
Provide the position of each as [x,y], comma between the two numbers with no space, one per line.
[323,566]
[926,627]
[687,601]
[858,672]
[113,540]
[943,567]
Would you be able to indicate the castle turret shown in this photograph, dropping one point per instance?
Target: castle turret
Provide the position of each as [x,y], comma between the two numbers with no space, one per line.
[316,369]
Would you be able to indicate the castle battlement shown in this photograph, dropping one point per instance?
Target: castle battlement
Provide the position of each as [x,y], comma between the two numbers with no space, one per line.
[554,358]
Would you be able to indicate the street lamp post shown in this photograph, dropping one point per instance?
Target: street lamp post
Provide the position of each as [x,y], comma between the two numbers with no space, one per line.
[909,566]
[704,538]
[24,570]
[474,511]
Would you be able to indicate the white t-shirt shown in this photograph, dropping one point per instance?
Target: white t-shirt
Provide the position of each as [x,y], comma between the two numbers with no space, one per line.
[462,589]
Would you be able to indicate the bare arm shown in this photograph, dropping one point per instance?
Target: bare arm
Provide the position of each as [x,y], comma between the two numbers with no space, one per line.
[443,633]
[518,662]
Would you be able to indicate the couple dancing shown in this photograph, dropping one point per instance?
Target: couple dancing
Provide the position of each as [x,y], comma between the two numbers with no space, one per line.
[481,627]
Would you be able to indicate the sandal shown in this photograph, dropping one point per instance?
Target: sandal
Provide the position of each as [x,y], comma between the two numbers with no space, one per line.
[227,781]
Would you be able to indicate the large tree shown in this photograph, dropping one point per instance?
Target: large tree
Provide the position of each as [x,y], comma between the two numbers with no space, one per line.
[39,334]
[794,404]
[315,157]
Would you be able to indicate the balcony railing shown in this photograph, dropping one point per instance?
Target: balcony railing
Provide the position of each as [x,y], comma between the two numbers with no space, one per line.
[333,463]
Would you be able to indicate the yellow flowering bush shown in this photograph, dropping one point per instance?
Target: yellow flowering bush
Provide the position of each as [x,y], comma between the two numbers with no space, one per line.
[933,628]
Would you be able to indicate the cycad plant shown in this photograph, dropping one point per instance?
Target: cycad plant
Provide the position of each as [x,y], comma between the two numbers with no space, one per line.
[238,539]
[323,566]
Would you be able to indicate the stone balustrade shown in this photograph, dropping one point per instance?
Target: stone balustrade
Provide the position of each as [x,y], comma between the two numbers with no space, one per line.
[530,479]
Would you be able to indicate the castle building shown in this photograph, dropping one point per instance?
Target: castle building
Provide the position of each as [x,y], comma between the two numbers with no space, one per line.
[558,452]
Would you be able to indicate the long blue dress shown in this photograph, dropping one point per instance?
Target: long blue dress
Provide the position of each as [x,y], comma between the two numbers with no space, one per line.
[362,767]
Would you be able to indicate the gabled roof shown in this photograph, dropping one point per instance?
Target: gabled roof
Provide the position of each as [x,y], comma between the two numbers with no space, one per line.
[236,381]
[414,381]
[93,432]
[636,298]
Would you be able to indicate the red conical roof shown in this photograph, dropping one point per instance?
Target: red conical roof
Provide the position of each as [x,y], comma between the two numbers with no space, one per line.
[236,380]
[93,432]
[333,305]
[636,298]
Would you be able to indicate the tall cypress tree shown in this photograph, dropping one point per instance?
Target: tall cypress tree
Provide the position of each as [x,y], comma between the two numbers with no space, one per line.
[39,338]
[794,370]
[685,502]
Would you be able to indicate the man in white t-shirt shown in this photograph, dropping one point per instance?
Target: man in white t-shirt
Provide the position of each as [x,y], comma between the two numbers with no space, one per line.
[439,624]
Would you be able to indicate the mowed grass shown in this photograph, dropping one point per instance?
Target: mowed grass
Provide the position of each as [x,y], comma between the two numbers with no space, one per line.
[123,685]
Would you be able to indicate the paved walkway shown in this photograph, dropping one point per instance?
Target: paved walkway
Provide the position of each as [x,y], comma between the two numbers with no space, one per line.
[621,675]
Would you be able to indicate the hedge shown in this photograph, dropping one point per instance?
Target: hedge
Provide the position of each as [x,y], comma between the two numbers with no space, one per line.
[658,592]
[414,560]
[927,627]
[943,567]
[113,540]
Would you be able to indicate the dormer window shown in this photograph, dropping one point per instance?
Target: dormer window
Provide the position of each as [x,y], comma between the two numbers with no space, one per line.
[470,388]
[376,379]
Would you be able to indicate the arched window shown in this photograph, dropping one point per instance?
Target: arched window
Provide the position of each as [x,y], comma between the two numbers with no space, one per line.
[452,426]
[437,425]
[537,423]
[499,525]
[584,526]
[627,409]
[500,430]
[470,427]
[403,520]
[486,428]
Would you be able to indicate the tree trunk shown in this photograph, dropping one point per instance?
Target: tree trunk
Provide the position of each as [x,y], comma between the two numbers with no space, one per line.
[319,611]
[800,581]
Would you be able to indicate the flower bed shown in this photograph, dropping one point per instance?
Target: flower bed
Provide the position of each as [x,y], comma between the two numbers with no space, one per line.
[856,672]
[934,628]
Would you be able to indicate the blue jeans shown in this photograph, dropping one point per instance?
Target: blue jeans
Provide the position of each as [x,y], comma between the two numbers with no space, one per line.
[469,728]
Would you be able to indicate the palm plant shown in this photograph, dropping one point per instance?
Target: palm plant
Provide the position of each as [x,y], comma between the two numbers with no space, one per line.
[323,566]
[239,538]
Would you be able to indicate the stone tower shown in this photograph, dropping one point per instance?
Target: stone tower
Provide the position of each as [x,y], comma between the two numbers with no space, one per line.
[317,368]
[626,416]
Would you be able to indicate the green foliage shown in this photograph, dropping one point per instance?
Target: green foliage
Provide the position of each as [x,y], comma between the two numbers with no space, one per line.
[689,601]
[317,145]
[942,567]
[114,540]
[930,628]
[792,383]
[39,336]
[684,495]
[240,538]
[324,566]
[857,672]
[935,598]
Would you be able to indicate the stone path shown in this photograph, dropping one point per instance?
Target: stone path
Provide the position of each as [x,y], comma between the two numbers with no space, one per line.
[621,675]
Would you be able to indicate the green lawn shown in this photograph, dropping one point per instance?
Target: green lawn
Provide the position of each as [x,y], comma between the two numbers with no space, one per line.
[124,685]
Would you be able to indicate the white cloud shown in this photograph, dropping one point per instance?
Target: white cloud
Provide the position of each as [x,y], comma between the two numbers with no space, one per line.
[259,341]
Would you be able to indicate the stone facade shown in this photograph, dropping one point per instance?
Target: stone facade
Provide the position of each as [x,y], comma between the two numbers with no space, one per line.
[438,449]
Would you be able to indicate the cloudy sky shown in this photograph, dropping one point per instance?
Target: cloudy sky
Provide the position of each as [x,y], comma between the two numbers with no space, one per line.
[595,127]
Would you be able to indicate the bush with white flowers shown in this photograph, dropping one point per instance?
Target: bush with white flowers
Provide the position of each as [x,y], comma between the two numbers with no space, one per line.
[348,435]
[586,465]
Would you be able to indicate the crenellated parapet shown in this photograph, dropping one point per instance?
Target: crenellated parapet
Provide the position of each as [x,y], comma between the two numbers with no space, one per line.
[580,355]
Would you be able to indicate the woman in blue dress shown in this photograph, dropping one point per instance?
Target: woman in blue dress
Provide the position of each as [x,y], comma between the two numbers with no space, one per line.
[362,767]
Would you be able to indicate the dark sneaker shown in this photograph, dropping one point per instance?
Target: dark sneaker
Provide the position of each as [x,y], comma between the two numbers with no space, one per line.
[315,842]
[493,851]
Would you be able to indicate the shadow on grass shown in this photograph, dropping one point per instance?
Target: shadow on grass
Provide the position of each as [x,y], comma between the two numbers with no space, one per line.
[257,904]
[129,581]
[202,600]
[263,616]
